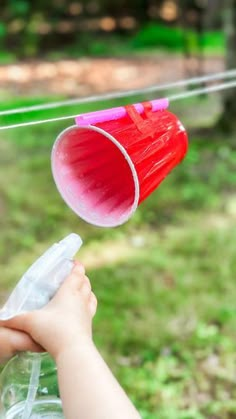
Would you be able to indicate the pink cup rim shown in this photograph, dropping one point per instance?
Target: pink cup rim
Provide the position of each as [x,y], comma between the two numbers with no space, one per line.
[126,156]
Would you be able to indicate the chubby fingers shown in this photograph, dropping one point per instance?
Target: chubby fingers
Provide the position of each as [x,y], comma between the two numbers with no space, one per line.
[74,280]
[83,284]
[93,304]
[78,267]
[22,342]
[79,280]
[13,341]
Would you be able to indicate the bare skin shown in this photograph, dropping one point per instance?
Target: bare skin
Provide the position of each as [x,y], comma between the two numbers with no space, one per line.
[64,329]
[14,341]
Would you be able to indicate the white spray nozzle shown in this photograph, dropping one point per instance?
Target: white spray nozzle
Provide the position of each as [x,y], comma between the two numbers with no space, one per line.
[41,281]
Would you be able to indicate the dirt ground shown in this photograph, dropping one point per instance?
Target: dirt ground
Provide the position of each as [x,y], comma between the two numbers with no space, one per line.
[87,76]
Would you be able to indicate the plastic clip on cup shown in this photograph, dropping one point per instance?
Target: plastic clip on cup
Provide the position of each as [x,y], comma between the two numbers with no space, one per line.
[108,163]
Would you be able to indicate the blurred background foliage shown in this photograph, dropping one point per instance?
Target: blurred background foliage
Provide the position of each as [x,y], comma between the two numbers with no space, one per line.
[29,28]
[165,281]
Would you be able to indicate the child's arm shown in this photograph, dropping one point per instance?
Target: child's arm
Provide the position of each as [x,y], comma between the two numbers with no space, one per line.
[88,388]
[64,328]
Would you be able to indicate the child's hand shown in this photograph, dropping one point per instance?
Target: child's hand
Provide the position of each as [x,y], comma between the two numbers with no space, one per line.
[13,341]
[65,320]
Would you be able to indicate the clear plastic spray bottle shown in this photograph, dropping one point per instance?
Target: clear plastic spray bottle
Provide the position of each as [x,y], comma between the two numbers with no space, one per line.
[28,383]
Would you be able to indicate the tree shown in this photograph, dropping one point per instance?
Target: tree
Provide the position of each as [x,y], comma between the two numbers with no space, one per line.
[227,121]
[193,21]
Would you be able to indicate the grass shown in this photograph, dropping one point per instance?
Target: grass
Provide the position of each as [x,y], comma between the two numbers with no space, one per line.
[165,281]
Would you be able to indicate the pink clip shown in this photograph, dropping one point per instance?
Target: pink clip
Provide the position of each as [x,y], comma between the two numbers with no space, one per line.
[92,118]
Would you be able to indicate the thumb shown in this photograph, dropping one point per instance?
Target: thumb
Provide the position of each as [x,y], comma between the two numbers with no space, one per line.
[20,322]
[23,342]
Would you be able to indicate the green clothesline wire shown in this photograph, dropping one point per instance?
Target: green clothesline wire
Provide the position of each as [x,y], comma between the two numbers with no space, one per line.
[174,97]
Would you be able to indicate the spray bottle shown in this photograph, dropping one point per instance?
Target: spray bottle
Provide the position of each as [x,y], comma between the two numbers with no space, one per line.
[28,383]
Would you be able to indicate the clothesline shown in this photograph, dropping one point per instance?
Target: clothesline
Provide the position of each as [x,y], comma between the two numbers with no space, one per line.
[174,97]
[116,95]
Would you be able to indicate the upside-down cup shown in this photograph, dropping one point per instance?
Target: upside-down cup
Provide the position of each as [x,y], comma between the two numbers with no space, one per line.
[105,166]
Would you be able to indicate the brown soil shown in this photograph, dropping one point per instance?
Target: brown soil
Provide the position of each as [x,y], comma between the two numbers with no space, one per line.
[88,76]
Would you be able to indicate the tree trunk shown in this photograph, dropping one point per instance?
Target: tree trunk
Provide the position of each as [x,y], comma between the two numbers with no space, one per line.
[193,19]
[227,121]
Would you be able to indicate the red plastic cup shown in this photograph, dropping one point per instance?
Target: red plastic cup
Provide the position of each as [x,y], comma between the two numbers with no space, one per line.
[104,171]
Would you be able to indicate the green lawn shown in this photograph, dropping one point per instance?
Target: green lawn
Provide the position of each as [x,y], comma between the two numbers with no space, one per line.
[165,281]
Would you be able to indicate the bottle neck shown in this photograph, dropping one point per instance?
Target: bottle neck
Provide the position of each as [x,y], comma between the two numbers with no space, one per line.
[34,355]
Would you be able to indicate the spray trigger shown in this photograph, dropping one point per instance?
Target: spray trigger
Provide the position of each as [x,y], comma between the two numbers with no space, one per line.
[42,280]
